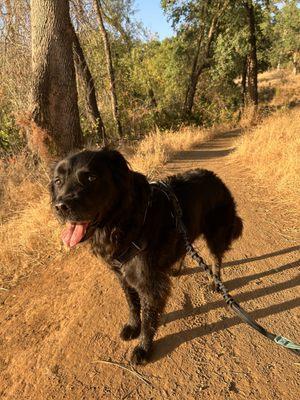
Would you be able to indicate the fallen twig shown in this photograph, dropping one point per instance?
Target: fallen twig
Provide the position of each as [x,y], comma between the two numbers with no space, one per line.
[128,394]
[132,371]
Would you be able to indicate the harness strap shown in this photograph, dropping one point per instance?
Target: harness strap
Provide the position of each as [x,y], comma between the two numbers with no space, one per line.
[133,250]
[234,305]
[134,247]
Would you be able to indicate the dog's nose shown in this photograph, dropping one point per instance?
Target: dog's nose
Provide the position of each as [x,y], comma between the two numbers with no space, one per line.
[61,206]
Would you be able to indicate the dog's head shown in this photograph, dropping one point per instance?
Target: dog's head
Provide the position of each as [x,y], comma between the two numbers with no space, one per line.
[85,187]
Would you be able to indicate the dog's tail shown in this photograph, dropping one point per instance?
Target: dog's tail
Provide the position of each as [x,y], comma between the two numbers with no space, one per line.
[237,228]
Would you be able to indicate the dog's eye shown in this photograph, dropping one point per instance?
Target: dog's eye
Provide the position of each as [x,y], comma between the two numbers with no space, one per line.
[92,178]
[57,181]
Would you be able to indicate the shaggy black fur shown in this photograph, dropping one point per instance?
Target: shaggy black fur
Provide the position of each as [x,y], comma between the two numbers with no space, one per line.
[122,207]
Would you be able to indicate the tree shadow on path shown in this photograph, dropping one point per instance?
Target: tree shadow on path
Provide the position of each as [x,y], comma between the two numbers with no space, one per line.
[166,345]
[220,146]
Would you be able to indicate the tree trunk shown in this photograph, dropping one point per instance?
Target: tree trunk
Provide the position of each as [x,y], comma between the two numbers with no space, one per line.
[252,56]
[296,62]
[110,68]
[191,91]
[201,59]
[91,99]
[55,115]
[244,79]
[152,98]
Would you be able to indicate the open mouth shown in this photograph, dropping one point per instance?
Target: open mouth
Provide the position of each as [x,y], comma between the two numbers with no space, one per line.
[74,233]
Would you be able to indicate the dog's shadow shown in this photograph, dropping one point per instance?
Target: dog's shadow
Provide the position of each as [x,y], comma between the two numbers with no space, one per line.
[167,344]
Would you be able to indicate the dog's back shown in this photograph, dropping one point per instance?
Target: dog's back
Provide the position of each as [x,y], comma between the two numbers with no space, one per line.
[209,209]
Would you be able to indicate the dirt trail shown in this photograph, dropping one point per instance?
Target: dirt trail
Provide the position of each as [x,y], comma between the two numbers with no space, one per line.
[58,324]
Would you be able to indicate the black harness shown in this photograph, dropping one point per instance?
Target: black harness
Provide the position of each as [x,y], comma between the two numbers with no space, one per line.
[135,247]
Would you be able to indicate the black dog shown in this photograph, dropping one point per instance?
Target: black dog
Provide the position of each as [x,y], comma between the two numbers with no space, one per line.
[129,223]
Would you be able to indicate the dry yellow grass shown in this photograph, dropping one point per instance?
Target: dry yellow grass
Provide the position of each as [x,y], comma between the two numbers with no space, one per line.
[270,153]
[28,232]
[157,147]
[29,239]
[21,183]
[279,88]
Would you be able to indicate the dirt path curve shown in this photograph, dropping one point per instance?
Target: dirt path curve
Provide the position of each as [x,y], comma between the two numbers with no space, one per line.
[59,324]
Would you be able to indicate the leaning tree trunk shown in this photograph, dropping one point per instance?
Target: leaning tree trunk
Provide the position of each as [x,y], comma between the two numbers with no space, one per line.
[55,115]
[110,68]
[244,79]
[201,58]
[252,56]
[90,91]
[191,90]
[296,62]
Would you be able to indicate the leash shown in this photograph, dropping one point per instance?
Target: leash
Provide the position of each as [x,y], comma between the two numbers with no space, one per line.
[234,305]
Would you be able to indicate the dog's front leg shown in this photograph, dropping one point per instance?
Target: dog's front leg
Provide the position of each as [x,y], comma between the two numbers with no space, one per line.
[132,329]
[153,301]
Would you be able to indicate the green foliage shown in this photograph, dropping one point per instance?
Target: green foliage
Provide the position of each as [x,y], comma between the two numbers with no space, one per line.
[152,76]
[286,33]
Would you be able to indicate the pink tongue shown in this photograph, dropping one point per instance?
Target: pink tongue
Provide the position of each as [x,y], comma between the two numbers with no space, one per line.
[73,233]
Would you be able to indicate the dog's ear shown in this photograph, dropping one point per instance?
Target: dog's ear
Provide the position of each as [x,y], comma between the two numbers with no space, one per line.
[51,167]
[118,165]
[117,159]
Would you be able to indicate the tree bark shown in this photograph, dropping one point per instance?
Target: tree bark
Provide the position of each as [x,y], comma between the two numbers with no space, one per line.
[252,56]
[55,115]
[110,68]
[296,62]
[244,79]
[90,91]
[152,98]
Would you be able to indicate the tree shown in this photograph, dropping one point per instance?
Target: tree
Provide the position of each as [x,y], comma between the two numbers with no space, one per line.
[286,40]
[252,68]
[199,21]
[110,68]
[90,91]
[55,115]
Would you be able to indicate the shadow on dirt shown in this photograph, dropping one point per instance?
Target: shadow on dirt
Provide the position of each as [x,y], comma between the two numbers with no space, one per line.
[191,271]
[211,149]
[194,155]
[166,345]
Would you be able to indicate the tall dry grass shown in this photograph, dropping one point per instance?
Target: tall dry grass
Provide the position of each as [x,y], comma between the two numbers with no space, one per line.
[279,88]
[270,153]
[157,147]
[28,232]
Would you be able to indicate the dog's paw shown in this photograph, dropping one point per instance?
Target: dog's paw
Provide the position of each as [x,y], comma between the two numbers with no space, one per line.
[130,332]
[139,356]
